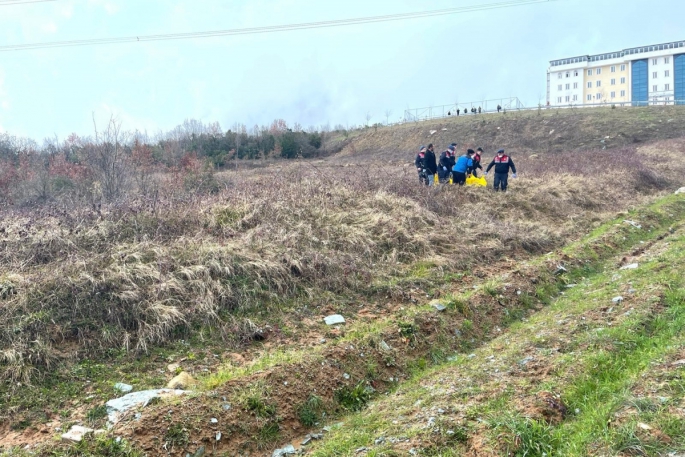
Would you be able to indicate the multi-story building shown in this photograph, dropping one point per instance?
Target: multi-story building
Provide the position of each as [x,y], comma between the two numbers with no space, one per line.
[645,75]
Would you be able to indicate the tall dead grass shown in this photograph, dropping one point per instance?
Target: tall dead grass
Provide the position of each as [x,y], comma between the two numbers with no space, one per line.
[138,274]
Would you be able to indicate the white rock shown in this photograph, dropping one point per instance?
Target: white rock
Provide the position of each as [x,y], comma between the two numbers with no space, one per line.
[123,388]
[288,450]
[634,224]
[118,406]
[632,266]
[77,433]
[618,299]
[385,346]
[680,191]
[213,420]
[334,319]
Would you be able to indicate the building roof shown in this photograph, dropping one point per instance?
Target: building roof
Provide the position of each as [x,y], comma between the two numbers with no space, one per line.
[618,54]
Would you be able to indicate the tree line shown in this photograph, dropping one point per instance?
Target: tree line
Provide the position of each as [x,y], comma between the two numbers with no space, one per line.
[113,162]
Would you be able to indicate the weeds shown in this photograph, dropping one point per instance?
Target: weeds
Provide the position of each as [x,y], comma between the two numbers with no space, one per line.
[310,412]
[353,398]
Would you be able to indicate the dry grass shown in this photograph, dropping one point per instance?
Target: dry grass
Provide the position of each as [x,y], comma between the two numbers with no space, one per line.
[136,274]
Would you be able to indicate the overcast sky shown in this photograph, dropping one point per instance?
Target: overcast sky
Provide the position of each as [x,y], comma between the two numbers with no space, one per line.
[333,75]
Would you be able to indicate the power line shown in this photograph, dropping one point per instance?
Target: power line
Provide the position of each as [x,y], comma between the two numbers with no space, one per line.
[270,29]
[22,2]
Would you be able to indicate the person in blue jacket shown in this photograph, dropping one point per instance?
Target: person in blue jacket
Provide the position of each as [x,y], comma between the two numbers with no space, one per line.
[462,167]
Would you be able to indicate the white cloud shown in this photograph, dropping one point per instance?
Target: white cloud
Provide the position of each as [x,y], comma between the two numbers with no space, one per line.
[49,27]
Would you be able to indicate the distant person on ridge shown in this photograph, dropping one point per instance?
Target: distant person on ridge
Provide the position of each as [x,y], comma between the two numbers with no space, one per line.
[431,164]
[446,164]
[420,165]
[458,110]
[499,108]
[502,164]
[479,110]
[476,161]
[462,167]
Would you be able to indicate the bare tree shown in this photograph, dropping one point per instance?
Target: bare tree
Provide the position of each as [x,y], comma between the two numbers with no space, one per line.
[368,118]
[108,159]
[388,113]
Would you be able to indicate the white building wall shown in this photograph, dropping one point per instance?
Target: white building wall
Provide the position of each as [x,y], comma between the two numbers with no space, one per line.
[661,79]
[566,86]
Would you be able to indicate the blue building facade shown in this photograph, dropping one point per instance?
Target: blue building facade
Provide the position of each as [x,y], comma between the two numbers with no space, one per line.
[679,78]
[640,82]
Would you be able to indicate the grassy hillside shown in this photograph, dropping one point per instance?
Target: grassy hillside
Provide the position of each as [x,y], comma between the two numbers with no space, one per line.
[521,133]
[233,287]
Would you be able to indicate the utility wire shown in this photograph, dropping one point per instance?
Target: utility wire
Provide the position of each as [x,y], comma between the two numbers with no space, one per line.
[271,29]
[22,2]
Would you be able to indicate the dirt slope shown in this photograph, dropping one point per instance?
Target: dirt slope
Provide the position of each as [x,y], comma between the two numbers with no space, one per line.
[545,131]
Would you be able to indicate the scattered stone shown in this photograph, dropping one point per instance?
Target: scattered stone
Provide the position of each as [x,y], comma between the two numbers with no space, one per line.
[334,319]
[680,191]
[379,441]
[118,406]
[346,376]
[471,356]
[457,332]
[213,420]
[385,346]
[433,132]
[526,361]
[226,406]
[322,341]
[77,433]
[631,266]
[438,305]
[173,367]
[200,452]
[362,449]
[632,291]
[441,411]
[123,388]
[560,270]
[533,156]
[182,381]
[218,436]
[617,300]
[138,416]
[551,131]
[288,450]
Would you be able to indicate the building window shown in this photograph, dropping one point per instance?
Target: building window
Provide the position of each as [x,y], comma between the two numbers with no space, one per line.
[568,75]
[623,80]
[655,61]
[559,100]
[559,87]
[668,87]
[568,86]
[575,73]
[613,68]
[568,99]
[623,93]
[560,76]
[613,95]
[589,72]
[667,73]
[599,71]
[589,98]
[575,85]
[599,96]
[599,84]
[589,85]
[613,82]
[667,60]
[623,67]
[655,75]
[654,88]
[575,98]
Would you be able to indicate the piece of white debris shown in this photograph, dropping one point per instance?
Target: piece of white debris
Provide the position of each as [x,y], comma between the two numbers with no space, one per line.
[334,319]
[632,266]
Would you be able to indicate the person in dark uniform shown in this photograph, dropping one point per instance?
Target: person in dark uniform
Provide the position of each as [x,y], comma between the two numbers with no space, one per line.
[476,162]
[431,164]
[446,163]
[420,165]
[502,164]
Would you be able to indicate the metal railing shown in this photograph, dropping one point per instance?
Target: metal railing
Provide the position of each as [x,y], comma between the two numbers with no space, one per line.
[482,106]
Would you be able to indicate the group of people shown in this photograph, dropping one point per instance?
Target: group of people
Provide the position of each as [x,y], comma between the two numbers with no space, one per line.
[450,168]
[474,110]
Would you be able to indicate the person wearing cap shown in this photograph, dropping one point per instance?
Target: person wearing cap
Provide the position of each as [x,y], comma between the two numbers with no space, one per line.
[502,164]
[476,161]
[446,163]
[462,167]
[420,163]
